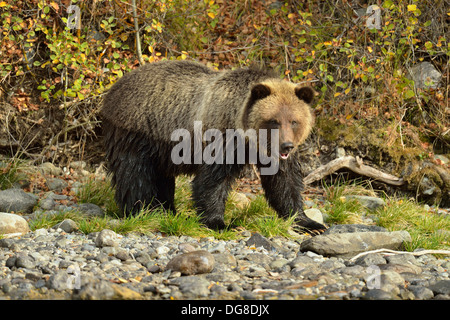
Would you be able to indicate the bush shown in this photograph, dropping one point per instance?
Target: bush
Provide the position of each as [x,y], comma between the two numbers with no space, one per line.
[362,73]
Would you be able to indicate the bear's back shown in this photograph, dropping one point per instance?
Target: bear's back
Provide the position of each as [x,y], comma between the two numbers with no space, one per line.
[143,98]
[160,97]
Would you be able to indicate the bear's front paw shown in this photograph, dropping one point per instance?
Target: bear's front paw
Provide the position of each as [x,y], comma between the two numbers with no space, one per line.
[214,224]
[307,225]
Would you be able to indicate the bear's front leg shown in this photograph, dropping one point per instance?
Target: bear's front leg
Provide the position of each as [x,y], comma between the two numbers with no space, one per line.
[283,193]
[210,189]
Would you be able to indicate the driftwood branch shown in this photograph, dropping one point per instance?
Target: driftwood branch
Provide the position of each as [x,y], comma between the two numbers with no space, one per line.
[392,252]
[356,165]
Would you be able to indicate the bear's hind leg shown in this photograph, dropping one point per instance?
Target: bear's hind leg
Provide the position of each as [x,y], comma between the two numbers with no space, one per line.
[135,172]
[139,184]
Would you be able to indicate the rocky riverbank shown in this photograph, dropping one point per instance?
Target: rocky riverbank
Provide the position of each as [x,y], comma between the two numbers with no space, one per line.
[61,262]
[57,264]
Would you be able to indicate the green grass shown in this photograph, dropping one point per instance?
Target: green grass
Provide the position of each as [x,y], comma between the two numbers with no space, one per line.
[428,230]
[9,173]
[99,192]
[340,209]
[257,217]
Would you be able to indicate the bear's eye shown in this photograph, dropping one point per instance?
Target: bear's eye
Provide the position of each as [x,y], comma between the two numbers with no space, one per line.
[294,123]
[273,123]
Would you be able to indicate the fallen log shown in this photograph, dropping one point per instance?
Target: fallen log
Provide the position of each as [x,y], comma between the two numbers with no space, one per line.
[356,165]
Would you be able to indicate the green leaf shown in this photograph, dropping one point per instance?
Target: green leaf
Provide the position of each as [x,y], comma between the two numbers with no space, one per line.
[409,94]
[388,4]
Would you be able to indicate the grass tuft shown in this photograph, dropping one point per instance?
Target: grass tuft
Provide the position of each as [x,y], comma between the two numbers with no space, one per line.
[99,192]
[9,173]
[428,229]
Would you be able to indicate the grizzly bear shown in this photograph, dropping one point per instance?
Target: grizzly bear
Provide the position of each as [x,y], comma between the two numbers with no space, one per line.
[142,111]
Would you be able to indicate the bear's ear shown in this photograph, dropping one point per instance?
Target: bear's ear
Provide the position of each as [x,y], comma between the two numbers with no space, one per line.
[259,91]
[305,93]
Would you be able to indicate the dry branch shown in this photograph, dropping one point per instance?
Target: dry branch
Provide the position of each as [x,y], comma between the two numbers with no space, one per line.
[136,28]
[393,252]
[356,165]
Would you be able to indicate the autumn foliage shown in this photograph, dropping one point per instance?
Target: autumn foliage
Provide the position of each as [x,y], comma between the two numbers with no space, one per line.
[361,73]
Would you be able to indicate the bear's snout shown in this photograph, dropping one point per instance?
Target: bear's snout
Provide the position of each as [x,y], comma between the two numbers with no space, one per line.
[285,148]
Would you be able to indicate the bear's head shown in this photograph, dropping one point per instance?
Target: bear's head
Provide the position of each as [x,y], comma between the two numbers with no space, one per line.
[282,105]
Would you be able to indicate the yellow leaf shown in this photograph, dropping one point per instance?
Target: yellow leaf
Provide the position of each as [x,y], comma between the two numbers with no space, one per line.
[370,49]
[291,15]
[337,94]
[412,7]
[211,15]
[3,4]
[347,91]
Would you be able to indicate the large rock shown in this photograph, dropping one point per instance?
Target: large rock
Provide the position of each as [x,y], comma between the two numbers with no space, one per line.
[425,76]
[347,245]
[107,238]
[257,240]
[17,200]
[315,214]
[195,262]
[67,225]
[49,168]
[90,209]
[192,286]
[349,228]
[12,225]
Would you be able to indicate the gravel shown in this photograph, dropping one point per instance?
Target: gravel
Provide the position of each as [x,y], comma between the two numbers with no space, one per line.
[55,264]
[63,263]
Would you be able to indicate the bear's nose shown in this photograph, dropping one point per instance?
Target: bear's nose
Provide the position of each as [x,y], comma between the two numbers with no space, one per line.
[286,147]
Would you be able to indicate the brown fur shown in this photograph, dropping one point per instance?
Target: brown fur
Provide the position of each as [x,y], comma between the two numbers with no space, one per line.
[142,99]
[144,107]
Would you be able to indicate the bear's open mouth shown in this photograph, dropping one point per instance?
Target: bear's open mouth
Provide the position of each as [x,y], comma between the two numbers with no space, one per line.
[284,156]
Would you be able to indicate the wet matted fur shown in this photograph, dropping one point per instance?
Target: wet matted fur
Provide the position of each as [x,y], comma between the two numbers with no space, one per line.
[144,108]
